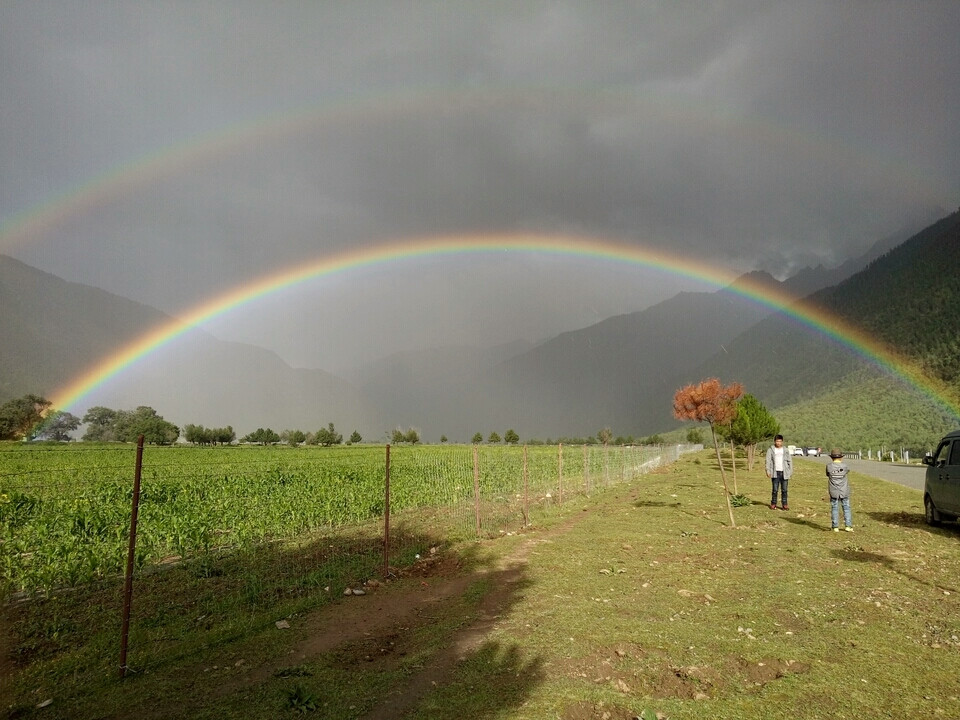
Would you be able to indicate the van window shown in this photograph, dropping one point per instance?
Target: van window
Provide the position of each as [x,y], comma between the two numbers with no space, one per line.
[955,453]
[940,456]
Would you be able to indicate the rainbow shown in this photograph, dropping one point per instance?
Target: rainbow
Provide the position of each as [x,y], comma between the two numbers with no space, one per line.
[411,250]
[913,185]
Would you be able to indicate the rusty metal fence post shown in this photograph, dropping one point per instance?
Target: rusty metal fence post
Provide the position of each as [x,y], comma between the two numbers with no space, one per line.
[131,557]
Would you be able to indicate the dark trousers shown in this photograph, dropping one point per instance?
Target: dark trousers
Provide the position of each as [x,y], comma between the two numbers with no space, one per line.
[779,481]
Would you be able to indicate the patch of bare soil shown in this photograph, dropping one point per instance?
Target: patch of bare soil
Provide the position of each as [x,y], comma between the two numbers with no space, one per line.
[584,710]
[629,669]
[635,672]
[692,682]
[377,617]
[504,578]
[764,671]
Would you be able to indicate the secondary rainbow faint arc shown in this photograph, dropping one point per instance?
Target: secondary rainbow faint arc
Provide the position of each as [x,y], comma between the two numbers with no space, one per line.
[180,156]
[572,246]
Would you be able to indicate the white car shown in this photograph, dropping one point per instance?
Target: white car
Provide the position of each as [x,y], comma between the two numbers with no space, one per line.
[794,450]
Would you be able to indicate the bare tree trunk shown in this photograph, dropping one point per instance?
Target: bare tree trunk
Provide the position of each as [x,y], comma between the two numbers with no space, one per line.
[733,462]
[726,490]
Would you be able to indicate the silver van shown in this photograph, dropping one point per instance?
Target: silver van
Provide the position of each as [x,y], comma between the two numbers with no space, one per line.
[941,485]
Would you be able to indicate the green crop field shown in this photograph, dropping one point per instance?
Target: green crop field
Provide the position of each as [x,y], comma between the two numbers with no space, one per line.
[65,509]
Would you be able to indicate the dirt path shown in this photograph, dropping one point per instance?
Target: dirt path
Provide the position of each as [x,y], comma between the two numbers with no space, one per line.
[464,642]
[7,666]
[381,619]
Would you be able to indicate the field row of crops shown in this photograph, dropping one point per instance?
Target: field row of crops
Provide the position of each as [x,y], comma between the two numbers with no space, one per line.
[65,509]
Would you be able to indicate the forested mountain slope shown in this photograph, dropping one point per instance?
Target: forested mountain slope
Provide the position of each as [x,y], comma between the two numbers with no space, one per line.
[864,411]
[909,299]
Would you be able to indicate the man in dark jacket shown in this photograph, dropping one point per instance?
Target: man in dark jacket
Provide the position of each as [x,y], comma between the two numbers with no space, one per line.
[839,487]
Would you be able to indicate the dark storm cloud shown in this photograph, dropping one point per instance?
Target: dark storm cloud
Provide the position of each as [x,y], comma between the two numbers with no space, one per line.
[769,135]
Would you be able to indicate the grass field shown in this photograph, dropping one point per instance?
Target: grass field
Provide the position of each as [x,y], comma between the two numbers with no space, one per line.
[637,599]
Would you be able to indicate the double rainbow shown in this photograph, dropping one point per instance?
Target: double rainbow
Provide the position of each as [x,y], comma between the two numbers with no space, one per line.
[148,169]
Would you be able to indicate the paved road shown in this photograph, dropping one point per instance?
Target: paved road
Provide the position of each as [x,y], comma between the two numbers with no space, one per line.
[909,475]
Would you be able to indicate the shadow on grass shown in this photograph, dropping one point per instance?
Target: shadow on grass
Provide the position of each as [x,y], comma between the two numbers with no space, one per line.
[496,679]
[806,523]
[677,506]
[915,520]
[185,613]
[465,675]
[655,503]
[858,554]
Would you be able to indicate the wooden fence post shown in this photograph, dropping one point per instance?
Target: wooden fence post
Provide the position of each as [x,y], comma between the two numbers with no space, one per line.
[131,557]
[560,472]
[586,471]
[476,488]
[386,517]
[526,490]
[606,465]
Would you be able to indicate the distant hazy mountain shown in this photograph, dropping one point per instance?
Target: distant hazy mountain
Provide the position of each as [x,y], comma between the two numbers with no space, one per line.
[810,280]
[577,382]
[620,372]
[52,330]
[439,391]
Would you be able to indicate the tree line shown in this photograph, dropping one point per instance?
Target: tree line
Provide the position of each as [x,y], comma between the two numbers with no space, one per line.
[31,417]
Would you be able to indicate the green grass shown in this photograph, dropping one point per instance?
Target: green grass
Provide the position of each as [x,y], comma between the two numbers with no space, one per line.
[638,598]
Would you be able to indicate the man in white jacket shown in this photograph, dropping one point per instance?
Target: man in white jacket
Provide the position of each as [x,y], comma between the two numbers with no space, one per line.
[779,466]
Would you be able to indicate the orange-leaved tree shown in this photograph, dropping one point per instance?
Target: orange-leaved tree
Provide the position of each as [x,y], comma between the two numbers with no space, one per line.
[710,402]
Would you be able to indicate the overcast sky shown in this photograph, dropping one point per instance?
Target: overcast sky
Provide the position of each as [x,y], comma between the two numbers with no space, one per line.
[170,151]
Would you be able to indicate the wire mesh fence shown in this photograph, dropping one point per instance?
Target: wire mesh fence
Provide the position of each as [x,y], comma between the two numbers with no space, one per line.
[225,534]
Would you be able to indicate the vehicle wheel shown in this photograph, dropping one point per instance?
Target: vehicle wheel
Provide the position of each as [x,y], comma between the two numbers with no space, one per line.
[930,513]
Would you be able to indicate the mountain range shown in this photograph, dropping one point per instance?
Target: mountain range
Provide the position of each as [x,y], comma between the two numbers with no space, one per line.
[619,373]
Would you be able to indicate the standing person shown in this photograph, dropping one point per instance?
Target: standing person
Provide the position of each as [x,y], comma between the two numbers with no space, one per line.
[779,467]
[839,487]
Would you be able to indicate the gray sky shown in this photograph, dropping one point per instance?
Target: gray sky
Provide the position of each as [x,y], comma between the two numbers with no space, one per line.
[170,151]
